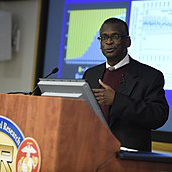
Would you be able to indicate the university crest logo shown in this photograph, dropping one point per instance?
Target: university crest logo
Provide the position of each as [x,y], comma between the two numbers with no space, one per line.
[17,154]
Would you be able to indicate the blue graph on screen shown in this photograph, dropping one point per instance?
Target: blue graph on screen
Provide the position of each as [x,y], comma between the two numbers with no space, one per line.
[151,35]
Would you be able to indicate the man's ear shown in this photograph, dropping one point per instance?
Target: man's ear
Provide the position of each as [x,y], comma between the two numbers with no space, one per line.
[128,42]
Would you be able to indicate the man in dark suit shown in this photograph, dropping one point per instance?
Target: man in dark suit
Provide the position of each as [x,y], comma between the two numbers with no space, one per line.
[130,93]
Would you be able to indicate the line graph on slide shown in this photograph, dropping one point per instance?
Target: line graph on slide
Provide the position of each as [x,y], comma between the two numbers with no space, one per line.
[82,46]
[151,35]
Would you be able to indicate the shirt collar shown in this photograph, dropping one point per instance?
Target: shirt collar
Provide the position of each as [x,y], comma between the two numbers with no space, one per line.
[123,62]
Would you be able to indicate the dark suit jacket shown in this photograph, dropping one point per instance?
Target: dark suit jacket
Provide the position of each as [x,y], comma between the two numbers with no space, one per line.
[139,104]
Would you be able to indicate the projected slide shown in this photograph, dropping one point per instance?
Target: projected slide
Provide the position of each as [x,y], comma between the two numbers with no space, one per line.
[82,44]
[151,34]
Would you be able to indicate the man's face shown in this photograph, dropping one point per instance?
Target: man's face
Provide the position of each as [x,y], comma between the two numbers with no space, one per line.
[113,42]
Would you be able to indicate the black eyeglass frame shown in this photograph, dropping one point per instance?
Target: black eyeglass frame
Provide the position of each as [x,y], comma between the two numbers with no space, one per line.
[112,37]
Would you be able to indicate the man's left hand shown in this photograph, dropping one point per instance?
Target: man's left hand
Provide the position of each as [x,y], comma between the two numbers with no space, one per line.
[104,95]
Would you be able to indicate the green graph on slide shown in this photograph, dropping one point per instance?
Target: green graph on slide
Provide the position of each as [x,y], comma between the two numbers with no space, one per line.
[84,25]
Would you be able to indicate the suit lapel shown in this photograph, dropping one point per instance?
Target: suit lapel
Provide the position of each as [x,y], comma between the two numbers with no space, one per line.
[128,83]
[99,74]
[129,80]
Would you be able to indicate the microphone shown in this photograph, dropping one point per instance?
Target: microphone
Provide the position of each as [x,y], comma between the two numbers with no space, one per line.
[55,70]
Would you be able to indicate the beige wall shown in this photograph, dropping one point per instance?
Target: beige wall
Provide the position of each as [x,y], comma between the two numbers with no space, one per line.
[17,74]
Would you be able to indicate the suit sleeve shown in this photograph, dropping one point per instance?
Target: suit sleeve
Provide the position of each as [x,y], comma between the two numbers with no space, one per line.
[151,111]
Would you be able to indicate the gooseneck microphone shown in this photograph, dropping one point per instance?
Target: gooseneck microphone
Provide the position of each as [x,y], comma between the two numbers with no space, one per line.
[55,70]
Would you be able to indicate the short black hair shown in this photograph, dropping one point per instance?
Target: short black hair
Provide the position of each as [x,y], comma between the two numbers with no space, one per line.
[116,21]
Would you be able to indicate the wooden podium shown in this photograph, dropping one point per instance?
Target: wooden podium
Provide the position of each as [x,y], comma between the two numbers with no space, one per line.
[70,135]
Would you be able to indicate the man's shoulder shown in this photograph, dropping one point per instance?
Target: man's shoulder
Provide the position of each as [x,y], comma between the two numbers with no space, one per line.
[94,71]
[145,67]
[97,67]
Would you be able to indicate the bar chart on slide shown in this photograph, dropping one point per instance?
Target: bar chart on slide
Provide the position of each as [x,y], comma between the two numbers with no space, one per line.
[151,35]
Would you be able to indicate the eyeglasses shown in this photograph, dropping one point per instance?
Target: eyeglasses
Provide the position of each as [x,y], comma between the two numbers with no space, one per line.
[114,37]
